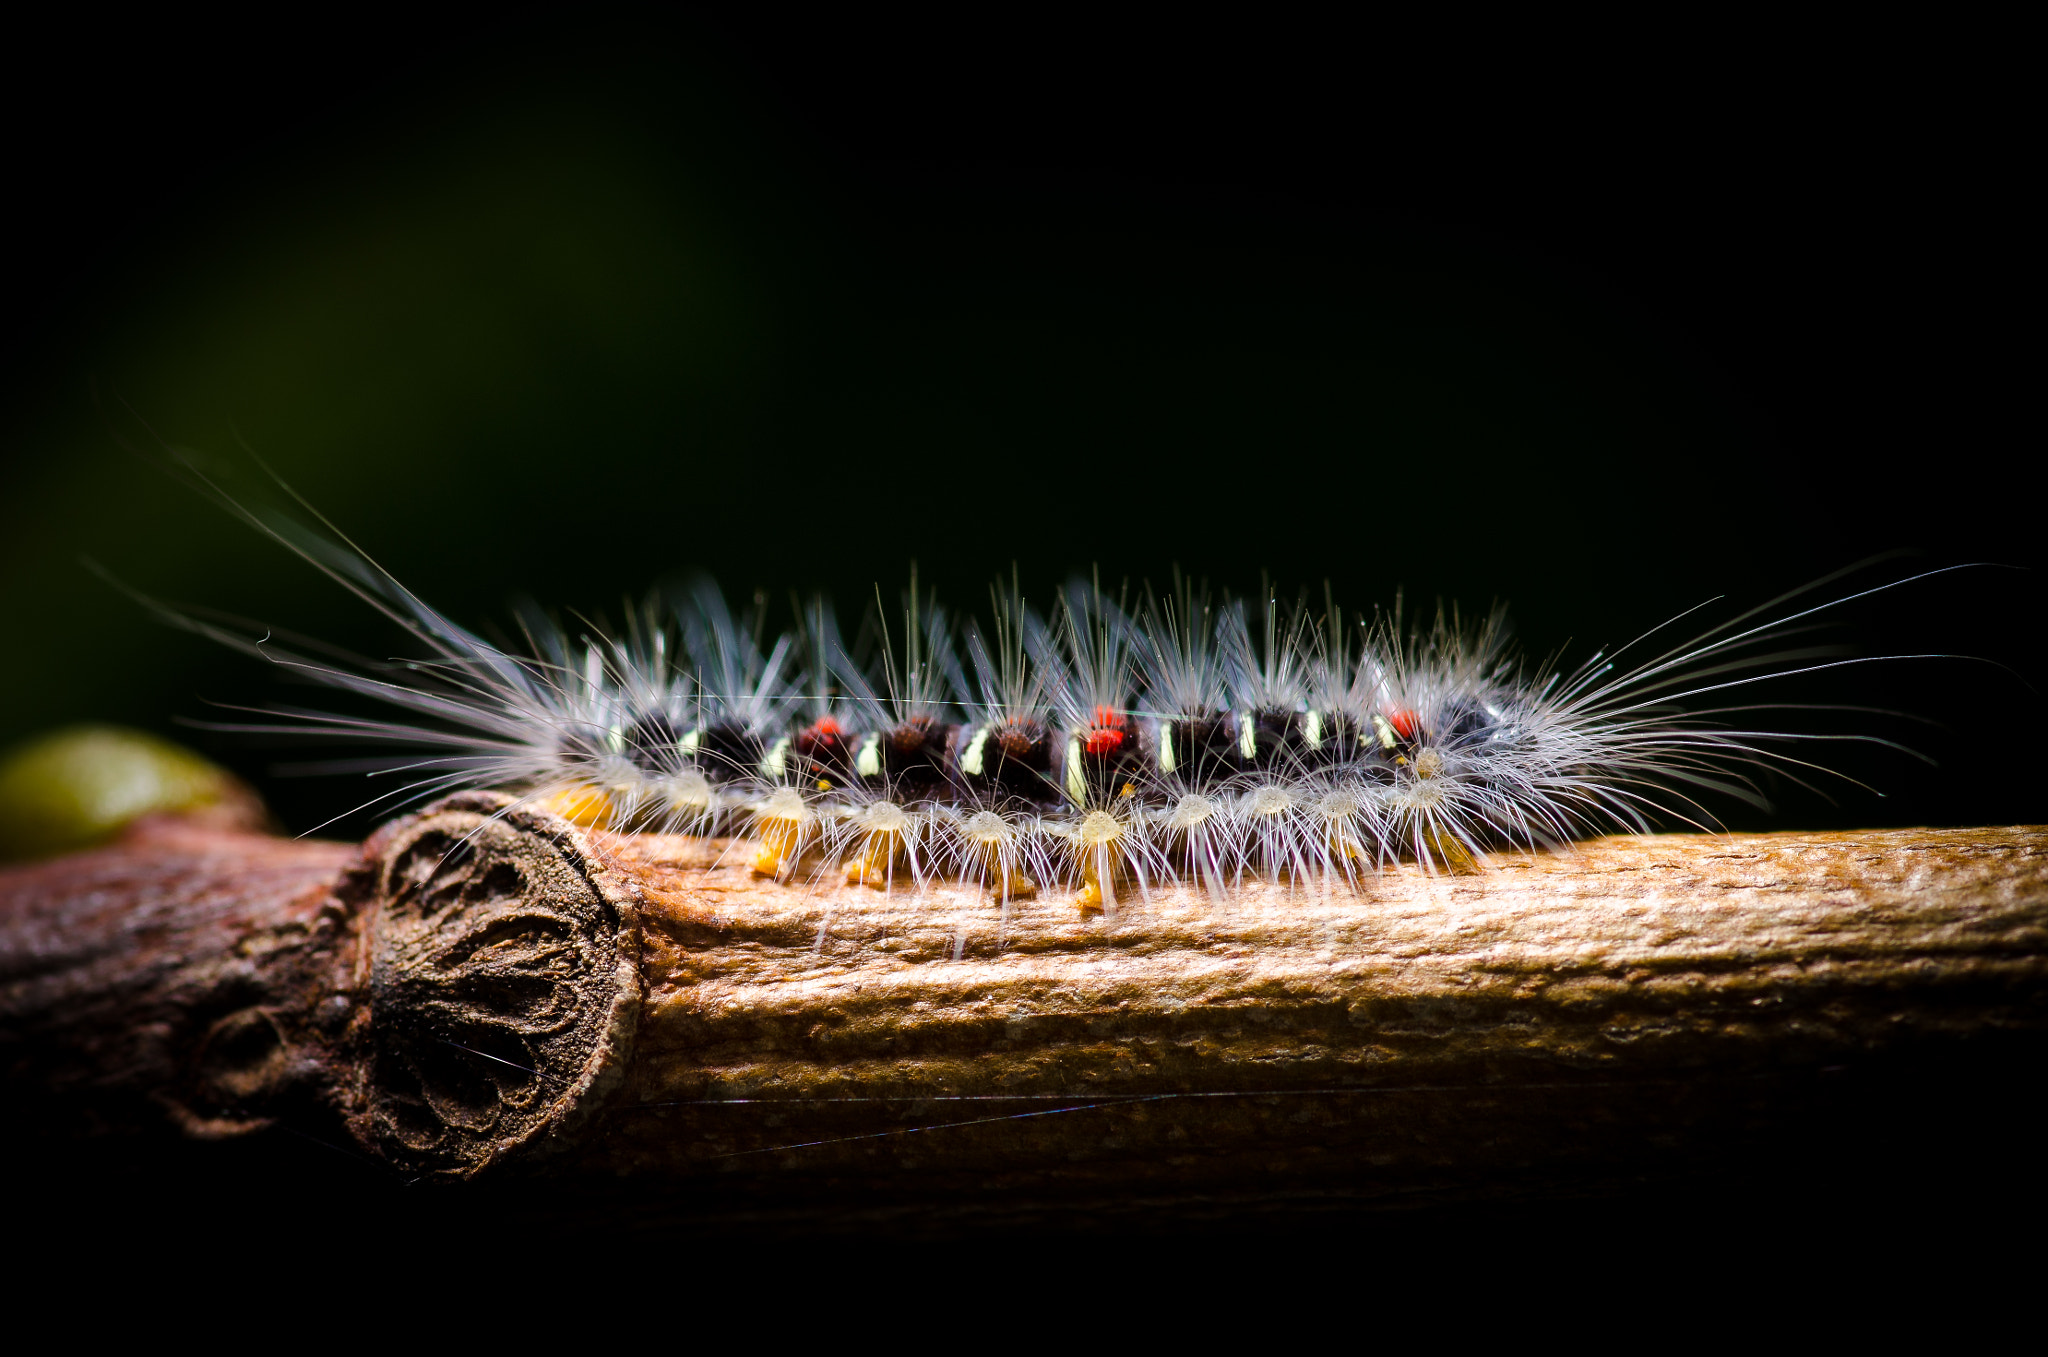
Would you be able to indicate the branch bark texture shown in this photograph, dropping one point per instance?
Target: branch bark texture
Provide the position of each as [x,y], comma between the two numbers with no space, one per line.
[481,987]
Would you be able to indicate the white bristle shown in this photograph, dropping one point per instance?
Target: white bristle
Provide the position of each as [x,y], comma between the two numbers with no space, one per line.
[1101,753]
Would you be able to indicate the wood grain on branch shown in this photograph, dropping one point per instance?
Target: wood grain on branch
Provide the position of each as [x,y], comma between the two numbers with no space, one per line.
[480,987]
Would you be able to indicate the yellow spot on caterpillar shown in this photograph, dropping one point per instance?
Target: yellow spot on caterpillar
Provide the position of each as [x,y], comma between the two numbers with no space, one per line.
[888,827]
[781,821]
[588,806]
[771,766]
[869,761]
[1388,740]
[1340,810]
[970,764]
[1098,837]
[1129,789]
[1451,854]
[990,837]
[824,784]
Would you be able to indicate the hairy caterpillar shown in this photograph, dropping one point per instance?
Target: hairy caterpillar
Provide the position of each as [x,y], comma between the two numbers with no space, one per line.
[1110,742]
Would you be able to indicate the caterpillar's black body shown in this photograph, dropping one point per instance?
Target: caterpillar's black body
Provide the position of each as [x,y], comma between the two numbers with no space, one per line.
[1018,764]
[1092,745]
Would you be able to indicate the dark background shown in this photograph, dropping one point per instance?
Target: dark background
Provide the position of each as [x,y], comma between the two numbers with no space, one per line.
[561,311]
[1600,323]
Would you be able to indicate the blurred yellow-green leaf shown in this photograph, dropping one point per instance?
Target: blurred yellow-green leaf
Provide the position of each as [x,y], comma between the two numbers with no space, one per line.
[81,785]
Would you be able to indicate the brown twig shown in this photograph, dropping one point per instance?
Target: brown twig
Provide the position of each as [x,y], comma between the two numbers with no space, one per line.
[478,988]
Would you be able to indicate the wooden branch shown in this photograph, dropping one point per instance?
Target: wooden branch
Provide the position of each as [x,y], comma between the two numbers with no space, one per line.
[480,987]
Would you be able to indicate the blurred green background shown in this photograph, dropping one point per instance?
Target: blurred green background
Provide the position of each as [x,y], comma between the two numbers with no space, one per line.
[563,313]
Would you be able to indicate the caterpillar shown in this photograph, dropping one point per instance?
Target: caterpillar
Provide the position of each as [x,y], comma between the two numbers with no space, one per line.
[1110,742]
